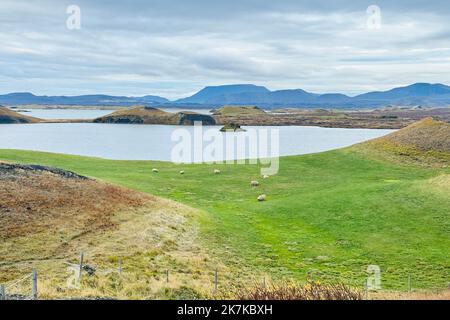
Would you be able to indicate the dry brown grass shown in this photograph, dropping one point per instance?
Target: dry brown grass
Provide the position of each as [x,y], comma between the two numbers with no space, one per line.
[415,295]
[34,201]
[312,290]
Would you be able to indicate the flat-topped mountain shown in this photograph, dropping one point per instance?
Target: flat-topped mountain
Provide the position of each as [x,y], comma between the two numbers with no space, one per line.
[9,116]
[214,94]
[149,115]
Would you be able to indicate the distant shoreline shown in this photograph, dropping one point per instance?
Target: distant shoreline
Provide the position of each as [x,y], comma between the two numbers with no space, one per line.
[387,118]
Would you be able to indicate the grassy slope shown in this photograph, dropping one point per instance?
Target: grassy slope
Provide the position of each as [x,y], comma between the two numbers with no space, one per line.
[330,214]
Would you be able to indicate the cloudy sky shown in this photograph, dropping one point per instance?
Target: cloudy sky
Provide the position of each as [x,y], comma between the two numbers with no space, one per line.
[173,48]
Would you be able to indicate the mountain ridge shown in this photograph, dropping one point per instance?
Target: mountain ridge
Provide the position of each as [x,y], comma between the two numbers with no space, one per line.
[425,94]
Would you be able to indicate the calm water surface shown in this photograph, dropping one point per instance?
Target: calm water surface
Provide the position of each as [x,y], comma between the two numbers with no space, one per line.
[153,142]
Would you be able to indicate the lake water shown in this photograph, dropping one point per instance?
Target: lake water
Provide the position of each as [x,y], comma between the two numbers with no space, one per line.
[88,114]
[153,142]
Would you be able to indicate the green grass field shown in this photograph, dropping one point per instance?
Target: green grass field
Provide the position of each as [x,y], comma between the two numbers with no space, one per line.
[329,215]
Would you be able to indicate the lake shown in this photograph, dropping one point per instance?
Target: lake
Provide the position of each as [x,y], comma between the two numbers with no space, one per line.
[153,142]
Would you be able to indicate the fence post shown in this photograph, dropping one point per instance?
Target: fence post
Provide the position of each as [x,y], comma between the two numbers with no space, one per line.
[216,279]
[2,292]
[34,286]
[120,267]
[366,290]
[81,266]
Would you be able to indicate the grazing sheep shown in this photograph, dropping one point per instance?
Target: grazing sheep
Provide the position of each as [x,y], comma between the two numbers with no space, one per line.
[216,171]
[265,176]
[155,170]
[254,183]
[182,172]
[262,197]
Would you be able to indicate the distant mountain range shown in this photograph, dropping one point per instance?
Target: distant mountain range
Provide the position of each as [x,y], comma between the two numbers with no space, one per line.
[424,94]
[21,98]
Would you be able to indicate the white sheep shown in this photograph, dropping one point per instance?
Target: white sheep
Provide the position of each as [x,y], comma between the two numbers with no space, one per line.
[265,176]
[182,172]
[216,171]
[254,183]
[155,170]
[262,197]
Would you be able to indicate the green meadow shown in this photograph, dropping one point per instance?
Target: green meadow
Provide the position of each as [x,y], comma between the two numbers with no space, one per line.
[327,216]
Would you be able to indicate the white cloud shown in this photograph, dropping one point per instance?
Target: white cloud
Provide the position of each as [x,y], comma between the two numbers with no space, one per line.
[151,47]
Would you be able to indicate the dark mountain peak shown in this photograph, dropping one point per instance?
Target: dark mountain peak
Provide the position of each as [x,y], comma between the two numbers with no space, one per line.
[20,94]
[211,94]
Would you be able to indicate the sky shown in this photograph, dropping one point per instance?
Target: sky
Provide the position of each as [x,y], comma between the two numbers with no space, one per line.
[173,48]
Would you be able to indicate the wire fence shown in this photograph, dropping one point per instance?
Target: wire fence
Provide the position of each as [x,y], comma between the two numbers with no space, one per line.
[26,287]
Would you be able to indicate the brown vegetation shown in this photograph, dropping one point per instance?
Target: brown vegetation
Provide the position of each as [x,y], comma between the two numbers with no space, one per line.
[312,290]
[148,115]
[9,116]
[390,118]
[34,198]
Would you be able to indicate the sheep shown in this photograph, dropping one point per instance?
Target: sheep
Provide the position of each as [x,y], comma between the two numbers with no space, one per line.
[155,170]
[216,171]
[182,172]
[254,183]
[262,198]
[265,176]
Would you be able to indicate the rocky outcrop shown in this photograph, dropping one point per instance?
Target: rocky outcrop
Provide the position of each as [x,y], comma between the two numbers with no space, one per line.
[148,115]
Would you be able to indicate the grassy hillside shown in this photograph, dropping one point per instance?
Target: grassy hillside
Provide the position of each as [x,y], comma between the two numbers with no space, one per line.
[426,142]
[9,116]
[328,215]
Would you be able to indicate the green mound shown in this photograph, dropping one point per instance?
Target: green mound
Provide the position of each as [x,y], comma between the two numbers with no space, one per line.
[238,110]
[425,141]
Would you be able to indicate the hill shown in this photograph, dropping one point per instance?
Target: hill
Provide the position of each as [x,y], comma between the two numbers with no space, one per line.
[235,116]
[238,110]
[149,115]
[426,141]
[49,215]
[9,116]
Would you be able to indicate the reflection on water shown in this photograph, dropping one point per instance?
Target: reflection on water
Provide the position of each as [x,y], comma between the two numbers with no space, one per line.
[153,142]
